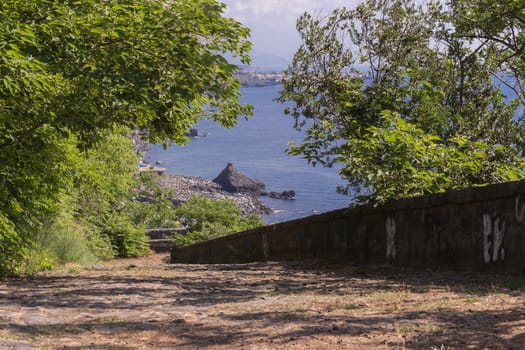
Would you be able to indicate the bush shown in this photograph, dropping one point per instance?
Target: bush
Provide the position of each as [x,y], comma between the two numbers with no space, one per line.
[208,219]
[12,249]
[127,239]
[157,210]
[75,241]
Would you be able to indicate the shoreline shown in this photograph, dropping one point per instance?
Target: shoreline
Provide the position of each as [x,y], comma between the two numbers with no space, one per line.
[184,187]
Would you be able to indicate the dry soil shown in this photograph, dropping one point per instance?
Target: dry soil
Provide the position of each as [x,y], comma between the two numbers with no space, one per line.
[150,304]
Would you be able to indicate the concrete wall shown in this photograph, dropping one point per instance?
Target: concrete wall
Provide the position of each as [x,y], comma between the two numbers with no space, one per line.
[480,228]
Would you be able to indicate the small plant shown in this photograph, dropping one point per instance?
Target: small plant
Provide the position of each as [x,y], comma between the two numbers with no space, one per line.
[289,316]
[433,328]
[516,282]
[405,329]
[127,239]
[473,300]
[12,250]
[351,306]
[300,309]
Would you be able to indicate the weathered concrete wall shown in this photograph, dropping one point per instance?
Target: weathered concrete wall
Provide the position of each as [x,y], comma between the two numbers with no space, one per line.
[480,228]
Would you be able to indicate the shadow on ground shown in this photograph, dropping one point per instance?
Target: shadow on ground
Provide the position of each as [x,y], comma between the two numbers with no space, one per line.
[202,290]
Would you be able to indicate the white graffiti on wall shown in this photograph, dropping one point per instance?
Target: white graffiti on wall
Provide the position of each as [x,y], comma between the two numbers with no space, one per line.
[266,250]
[493,235]
[390,238]
[519,210]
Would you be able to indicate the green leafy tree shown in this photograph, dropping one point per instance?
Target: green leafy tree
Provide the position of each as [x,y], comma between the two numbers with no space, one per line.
[153,205]
[207,218]
[103,192]
[497,26]
[357,68]
[73,73]
[12,250]
[417,162]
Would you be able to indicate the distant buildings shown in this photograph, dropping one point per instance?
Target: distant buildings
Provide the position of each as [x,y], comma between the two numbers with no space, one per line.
[252,78]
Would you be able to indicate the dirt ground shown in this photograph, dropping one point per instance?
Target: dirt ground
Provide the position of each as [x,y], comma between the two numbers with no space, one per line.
[149,304]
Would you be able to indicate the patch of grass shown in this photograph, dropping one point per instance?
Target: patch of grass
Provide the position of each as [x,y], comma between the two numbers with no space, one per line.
[289,316]
[393,308]
[109,319]
[440,304]
[232,307]
[271,294]
[405,329]
[433,328]
[473,300]
[516,282]
[73,271]
[499,295]
[351,306]
[300,309]
[4,335]
[420,289]
[53,330]
[381,297]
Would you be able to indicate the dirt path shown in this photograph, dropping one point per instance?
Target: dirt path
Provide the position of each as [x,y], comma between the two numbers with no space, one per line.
[148,304]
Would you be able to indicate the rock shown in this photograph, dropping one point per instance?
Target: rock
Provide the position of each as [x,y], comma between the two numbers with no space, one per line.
[231,180]
[287,195]
[184,187]
[145,199]
[193,133]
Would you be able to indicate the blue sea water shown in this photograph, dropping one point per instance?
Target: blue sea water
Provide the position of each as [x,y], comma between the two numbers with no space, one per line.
[256,147]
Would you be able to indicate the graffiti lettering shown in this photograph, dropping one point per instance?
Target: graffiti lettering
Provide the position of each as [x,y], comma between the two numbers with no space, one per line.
[519,210]
[266,250]
[390,238]
[493,236]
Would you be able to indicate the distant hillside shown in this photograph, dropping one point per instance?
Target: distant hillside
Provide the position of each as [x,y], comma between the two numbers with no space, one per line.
[263,62]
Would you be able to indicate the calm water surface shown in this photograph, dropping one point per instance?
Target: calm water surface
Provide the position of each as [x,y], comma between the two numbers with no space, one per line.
[256,147]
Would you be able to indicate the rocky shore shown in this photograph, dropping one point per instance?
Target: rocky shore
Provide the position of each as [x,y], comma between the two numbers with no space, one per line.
[184,187]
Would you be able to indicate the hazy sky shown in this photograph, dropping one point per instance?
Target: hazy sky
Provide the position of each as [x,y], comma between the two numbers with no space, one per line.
[273,21]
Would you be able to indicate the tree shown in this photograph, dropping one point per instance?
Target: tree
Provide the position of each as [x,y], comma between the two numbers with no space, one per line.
[398,159]
[74,71]
[393,68]
[498,26]
[211,218]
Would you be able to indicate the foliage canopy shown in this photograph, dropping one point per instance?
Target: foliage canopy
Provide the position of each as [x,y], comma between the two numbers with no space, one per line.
[75,77]
[406,97]
[207,219]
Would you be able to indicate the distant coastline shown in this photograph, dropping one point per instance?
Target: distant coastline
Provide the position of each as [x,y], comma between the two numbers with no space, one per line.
[252,78]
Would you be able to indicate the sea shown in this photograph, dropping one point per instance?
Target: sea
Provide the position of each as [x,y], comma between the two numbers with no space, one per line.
[257,148]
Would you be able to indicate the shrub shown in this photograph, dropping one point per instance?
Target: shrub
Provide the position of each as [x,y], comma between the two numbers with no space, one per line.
[12,250]
[208,219]
[127,239]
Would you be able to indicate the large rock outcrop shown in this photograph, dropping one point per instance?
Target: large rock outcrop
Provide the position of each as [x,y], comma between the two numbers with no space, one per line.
[231,180]
[184,187]
[287,195]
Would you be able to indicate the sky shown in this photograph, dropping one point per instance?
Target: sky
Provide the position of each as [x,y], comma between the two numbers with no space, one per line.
[272,22]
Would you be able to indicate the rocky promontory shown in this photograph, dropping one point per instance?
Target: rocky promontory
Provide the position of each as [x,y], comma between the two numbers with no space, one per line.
[230,184]
[231,180]
[184,187]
